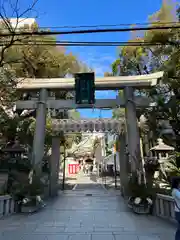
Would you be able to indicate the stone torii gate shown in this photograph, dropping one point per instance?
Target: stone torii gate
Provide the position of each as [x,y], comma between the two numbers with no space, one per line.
[45,86]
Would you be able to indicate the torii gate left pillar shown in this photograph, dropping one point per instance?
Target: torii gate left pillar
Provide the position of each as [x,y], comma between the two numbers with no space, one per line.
[40,130]
[133,137]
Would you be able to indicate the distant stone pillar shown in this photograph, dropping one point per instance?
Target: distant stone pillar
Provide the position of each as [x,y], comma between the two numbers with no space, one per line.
[54,166]
[123,162]
[133,137]
[40,129]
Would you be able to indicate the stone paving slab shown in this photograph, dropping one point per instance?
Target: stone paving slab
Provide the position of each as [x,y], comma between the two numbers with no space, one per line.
[74,215]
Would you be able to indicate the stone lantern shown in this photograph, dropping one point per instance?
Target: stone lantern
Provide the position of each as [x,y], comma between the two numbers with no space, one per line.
[160,154]
[162,150]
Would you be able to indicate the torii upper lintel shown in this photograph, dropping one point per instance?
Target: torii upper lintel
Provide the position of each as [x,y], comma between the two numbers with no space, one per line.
[101,83]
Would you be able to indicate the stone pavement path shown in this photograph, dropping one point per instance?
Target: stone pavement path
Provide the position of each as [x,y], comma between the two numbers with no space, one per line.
[92,213]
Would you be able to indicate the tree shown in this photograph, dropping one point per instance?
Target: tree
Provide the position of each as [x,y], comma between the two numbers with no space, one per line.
[167,95]
[34,58]
[13,126]
[134,60]
[30,57]
[160,54]
[7,77]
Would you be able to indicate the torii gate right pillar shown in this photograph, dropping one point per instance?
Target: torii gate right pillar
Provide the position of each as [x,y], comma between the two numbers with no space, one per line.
[133,137]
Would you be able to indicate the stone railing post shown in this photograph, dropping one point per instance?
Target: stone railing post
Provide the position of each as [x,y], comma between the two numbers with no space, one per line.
[6,205]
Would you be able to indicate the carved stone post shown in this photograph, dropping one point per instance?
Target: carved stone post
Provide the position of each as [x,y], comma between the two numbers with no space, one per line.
[39,134]
[54,166]
[133,137]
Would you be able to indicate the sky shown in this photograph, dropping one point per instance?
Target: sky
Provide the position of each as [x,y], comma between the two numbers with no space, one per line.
[59,13]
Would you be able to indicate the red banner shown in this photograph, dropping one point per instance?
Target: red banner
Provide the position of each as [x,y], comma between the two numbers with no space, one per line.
[73,168]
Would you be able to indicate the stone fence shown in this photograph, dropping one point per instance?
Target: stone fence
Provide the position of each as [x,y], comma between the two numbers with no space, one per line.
[164,207]
[6,205]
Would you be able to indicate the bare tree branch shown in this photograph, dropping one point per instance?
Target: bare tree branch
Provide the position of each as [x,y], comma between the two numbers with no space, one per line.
[5,21]
[7,81]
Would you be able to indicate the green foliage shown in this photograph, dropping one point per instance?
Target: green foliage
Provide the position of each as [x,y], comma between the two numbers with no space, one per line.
[170,168]
[115,67]
[108,152]
[139,190]
[111,144]
[7,87]
[118,113]
[30,57]
[25,188]
[164,15]
[69,139]
[12,126]
[74,114]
